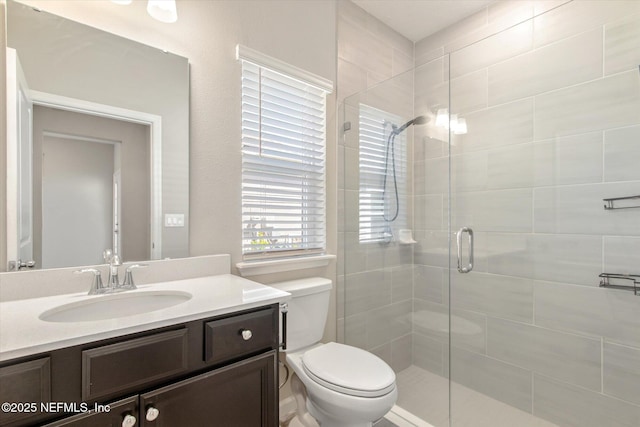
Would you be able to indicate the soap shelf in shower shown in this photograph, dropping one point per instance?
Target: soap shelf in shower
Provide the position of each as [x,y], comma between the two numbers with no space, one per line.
[633,278]
[611,203]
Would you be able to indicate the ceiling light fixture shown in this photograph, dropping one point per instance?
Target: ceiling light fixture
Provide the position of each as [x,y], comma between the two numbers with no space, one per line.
[161,10]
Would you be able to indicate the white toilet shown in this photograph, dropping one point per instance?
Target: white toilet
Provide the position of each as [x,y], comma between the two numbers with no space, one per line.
[338,385]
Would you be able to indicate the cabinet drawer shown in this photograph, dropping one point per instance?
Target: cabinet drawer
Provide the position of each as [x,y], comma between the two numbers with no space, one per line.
[27,382]
[129,364]
[224,338]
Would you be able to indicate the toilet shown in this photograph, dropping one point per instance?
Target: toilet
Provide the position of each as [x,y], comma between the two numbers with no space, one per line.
[334,385]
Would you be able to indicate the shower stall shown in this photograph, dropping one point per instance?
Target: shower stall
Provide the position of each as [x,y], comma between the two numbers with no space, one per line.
[490,251]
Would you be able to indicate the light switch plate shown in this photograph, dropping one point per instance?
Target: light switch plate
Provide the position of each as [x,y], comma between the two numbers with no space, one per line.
[174,220]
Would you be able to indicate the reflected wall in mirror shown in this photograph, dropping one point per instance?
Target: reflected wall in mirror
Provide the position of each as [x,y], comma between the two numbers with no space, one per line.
[98,150]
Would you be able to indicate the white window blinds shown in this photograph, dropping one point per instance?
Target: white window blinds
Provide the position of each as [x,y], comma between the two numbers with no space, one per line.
[283,164]
[378,202]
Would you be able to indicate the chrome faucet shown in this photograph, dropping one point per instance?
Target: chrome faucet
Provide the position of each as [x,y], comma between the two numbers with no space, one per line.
[114,262]
[113,284]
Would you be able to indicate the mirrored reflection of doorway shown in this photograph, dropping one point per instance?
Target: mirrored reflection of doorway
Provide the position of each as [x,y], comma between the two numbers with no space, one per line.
[92,185]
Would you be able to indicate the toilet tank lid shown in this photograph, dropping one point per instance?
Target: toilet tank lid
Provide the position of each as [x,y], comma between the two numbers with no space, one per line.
[299,287]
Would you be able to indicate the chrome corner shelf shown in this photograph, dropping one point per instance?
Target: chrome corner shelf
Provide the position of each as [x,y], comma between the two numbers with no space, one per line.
[633,278]
[610,203]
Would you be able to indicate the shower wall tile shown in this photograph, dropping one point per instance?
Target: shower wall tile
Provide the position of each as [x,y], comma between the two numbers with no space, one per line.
[621,154]
[383,352]
[428,354]
[354,79]
[621,41]
[571,61]
[428,283]
[575,159]
[428,212]
[355,330]
[601,104]
[621,372]
[432,248]
[401,353]
[547,257]
[355,255]
[358,46]
[469,93]
[579,16]
[580,209]
[469,172]
[507,44]
[402,283]
[427,147]
[366,291]
[468,330]
[494,295]
[499,210]
[351,168]
[622,255]
[431,92]
[431,320]
[510,167]
[566,357]
[351,200]
[436,176]
[571,406]
[401,62]
[503,382]
[389,35]
[388,323]
[506,124]
[595,312]
[505,14]
[433,46]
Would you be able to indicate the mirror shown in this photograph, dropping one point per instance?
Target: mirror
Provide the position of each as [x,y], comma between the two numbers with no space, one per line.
[101,152]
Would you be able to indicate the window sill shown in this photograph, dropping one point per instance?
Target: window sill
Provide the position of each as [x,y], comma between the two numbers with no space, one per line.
[255,268]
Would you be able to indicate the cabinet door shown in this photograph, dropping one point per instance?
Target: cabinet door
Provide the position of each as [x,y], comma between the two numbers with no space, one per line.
[243,394]
[121,413]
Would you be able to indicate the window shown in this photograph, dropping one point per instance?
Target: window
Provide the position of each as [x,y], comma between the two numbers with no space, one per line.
[383,176]
[283,158]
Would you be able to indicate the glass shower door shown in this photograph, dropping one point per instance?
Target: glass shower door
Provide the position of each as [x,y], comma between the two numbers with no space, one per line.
[544,122]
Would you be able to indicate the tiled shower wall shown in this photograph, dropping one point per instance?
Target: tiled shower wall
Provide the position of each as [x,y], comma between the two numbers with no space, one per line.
[375,281]
[553,113]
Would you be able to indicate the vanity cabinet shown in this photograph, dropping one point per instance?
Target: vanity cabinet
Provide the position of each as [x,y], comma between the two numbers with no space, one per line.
[215,371]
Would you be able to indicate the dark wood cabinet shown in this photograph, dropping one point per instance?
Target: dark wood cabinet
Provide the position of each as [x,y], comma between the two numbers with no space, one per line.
[215,371]
[237,395]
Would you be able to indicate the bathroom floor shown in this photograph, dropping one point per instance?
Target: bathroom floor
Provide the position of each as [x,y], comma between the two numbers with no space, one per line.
[426,395]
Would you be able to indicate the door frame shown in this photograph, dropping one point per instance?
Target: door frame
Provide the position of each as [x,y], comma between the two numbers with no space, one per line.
[123,114]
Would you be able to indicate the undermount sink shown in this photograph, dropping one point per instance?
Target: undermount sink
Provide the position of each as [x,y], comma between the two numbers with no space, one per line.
[115,306]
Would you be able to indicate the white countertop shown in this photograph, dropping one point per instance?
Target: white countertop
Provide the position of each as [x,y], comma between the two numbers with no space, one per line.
[23,333]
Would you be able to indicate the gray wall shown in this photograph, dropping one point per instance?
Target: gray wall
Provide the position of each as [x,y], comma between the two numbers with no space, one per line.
[552,110]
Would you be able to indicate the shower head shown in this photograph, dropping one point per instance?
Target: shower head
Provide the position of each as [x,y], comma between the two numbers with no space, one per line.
[420,120]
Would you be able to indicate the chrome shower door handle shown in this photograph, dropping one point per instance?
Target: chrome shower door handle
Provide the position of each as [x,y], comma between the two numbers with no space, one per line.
[469,266]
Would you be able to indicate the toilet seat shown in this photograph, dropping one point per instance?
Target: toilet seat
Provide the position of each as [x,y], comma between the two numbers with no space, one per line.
[348,370]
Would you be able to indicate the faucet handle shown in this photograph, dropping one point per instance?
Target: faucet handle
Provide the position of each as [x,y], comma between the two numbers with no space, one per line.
[128,275]
[96,286]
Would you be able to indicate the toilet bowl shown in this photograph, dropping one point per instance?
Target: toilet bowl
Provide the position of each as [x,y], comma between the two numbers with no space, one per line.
[336,384]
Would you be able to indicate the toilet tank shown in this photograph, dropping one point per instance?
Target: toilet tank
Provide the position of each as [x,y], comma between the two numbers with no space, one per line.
[308,309]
